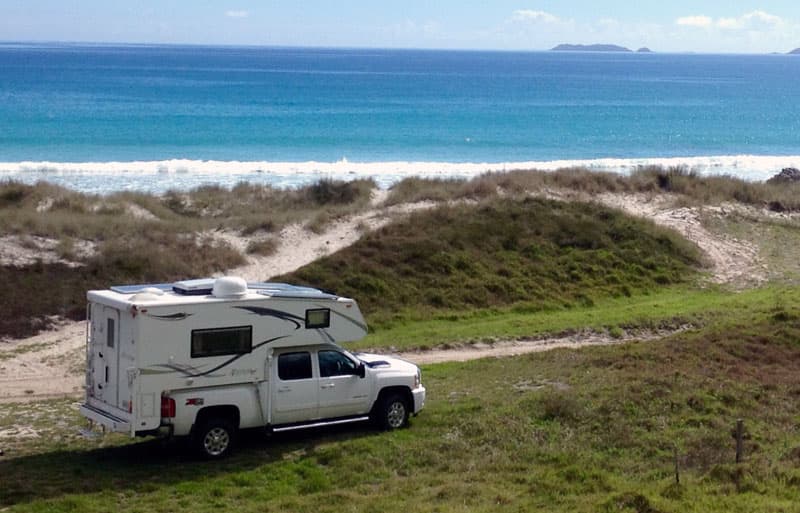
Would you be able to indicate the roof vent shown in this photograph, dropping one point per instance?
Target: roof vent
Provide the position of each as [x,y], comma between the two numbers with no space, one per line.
[147,294]
[229,286]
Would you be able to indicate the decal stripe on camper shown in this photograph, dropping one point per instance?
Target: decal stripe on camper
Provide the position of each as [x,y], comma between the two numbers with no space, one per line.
[194,372]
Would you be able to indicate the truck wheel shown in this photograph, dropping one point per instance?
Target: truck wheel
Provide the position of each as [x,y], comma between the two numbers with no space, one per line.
[215,439]
[393,413]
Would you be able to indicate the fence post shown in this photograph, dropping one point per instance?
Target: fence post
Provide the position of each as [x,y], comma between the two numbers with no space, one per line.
[677,470]
[739,440]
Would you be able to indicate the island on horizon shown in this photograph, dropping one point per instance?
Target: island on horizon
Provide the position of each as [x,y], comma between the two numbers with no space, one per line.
[796,51]
[590,48]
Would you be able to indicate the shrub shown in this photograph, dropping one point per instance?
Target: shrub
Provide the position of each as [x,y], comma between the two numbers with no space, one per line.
[264,247]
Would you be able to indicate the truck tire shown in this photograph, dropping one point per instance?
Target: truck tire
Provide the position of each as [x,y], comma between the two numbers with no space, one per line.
[392,412]
[214,439]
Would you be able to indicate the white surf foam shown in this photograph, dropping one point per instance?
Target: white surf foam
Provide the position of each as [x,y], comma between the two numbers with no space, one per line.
[158,176]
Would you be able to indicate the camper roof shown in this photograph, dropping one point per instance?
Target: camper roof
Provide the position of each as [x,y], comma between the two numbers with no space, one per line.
[202,290]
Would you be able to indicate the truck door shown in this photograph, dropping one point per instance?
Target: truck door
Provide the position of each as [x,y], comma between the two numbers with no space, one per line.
[105,337]
[341,391]
[294,387]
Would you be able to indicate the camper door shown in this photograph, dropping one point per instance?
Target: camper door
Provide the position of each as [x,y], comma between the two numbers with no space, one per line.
[109,383]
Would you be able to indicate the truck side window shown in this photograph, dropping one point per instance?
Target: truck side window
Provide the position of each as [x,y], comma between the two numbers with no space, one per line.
[334,363]
[292,366]
[222,341]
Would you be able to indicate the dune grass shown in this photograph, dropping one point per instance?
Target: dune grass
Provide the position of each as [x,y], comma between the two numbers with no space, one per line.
[693,188]
[596,429]
[142,238]
[50,211]
[545,254]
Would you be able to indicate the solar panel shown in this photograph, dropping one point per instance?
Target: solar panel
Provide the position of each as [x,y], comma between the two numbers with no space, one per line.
[284,290]
[199,287]
[298,294]
[271,285]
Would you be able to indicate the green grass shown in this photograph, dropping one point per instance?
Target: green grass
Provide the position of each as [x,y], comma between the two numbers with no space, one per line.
[587,430]
[545,254]
[665,308]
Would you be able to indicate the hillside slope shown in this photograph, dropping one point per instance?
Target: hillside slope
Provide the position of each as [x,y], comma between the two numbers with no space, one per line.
[545,254]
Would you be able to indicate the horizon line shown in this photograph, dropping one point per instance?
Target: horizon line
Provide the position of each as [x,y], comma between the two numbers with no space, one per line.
[35,42]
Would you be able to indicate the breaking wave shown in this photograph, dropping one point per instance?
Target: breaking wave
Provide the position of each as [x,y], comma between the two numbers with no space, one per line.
[160,176]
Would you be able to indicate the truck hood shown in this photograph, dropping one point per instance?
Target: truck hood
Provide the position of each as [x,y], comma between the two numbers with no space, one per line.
[378,361]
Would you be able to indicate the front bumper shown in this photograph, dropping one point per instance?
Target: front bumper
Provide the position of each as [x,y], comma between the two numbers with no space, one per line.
[419,398]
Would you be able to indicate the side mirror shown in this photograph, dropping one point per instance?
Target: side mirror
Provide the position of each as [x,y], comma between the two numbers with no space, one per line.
[361,370]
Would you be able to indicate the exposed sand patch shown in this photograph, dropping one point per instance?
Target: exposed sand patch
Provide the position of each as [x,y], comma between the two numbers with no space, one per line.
[298,246]
[525,346]
[137,212]
[20,251]
[734,261]
[47,365]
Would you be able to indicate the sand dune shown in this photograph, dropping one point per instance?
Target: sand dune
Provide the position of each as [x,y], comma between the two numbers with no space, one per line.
[50,364]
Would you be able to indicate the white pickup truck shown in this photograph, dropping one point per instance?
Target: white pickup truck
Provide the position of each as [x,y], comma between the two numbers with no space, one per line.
[206,358]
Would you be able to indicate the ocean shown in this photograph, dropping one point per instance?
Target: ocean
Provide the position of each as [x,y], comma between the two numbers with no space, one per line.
[100,118]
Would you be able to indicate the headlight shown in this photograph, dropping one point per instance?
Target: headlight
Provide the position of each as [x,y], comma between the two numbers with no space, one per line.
[418,379]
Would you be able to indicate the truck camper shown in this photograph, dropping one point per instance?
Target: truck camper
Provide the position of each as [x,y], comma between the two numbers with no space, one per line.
[205,358]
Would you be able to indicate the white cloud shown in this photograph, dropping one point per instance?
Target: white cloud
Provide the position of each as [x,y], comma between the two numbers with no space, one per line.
[695,21]
[764,17]
[756,31]
[751,20]
[528,15]
[237,14]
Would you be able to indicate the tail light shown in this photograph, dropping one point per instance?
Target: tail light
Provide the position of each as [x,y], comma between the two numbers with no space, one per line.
[167,407]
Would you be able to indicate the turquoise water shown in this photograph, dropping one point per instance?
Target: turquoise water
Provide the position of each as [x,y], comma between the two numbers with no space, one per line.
[153,117]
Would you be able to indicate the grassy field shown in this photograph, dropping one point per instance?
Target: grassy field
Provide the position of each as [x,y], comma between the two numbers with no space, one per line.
[596,429]
[666,308]
[587,430]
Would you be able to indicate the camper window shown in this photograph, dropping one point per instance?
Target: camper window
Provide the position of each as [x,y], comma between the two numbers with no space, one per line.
[318,318]
[222,341]
[110,333]
[292,366]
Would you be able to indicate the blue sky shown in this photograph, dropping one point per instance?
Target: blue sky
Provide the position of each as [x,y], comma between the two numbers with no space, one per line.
[665,25]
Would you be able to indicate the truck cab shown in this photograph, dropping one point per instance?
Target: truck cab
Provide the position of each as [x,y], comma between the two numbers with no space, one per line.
[309,386]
